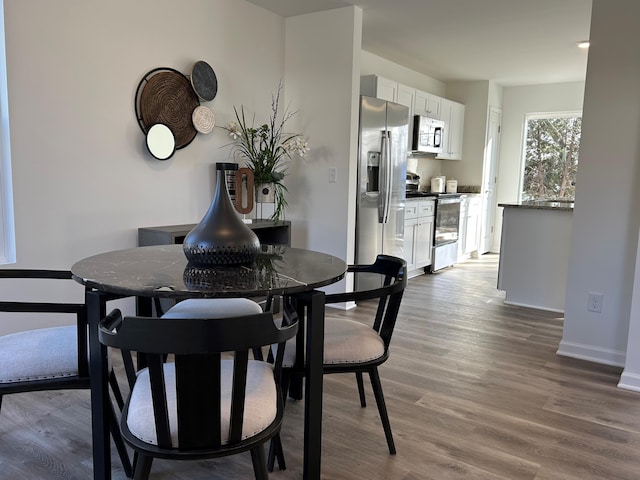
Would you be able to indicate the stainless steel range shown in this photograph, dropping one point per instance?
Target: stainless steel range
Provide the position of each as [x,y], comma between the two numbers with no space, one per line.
[445,238]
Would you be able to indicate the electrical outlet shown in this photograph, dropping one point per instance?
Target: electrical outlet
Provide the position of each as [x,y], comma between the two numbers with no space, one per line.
[333,174]
[594,302]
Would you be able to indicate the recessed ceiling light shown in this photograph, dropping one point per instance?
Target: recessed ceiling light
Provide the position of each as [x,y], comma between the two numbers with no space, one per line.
[583,44]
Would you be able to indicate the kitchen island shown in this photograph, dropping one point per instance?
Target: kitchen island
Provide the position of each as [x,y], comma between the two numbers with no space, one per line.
[534,253]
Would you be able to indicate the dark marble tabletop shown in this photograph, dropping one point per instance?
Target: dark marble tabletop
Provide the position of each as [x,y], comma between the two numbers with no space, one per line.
[162,271]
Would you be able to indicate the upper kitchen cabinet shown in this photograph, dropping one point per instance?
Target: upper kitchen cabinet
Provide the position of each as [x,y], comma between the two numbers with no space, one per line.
[379,87]
[405,96]
[452,113]
[389,90]
[427,105]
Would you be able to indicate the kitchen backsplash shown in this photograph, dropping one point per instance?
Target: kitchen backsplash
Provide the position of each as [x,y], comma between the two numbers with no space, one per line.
[469,189]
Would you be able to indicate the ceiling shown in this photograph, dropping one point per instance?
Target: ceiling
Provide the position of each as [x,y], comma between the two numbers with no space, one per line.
[512,42]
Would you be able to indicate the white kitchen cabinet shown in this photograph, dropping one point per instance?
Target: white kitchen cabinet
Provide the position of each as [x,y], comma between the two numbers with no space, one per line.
[379,87]
[468,229]
[427,105]
[452,113]
[472,240]
[462,226]
[406,96]
[418,234]
[389,90]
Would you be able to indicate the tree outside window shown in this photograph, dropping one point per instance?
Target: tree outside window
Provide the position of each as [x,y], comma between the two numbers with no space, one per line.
[551,156]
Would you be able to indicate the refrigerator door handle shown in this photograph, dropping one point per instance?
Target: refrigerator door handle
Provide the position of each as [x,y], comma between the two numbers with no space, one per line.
[386,180]
[384,173]
[388,176]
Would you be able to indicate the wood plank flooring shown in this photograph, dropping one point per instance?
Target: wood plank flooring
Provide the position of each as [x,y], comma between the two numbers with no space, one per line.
[474,390]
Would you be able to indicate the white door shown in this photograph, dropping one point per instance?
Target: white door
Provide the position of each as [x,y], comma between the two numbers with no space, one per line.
[489,180]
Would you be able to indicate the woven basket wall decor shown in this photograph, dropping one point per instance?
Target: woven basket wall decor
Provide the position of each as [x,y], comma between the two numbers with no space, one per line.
[166,96]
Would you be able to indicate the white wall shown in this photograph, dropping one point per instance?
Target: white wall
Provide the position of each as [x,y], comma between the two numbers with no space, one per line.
[606,217]
[517,103]
[83,182]
[475,96]
[371,64]
[322,75]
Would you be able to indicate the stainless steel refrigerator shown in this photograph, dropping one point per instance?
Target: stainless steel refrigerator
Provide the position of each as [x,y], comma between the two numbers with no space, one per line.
[382,168]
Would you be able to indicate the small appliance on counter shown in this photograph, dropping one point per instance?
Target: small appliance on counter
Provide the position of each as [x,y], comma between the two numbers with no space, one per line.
[413,182]
[452,186]
[438,184]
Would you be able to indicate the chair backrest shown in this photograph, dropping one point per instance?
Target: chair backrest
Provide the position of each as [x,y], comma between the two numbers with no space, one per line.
[197,346]
[40,280]
[393,271]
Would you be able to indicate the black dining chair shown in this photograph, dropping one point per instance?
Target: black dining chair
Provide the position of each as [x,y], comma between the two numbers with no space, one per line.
[52,358]
[202,403]
[351,346]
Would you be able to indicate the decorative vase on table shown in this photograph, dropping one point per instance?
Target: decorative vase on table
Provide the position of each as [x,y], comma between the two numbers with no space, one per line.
[221,238]
[265,200]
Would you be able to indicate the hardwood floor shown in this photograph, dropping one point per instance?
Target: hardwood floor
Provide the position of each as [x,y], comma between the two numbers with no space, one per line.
[474,390]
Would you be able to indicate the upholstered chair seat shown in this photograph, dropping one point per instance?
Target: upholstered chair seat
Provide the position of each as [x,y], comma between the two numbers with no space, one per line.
[21,358]
[345,341]
[260,403]
[213,308]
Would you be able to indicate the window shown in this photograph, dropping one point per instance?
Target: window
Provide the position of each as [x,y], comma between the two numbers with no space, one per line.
[7,236]
[552,143]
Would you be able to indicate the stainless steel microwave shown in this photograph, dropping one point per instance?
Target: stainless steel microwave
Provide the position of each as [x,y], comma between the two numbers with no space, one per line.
[428,134]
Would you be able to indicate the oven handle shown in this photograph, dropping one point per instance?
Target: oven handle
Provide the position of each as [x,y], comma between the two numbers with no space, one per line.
[448,200]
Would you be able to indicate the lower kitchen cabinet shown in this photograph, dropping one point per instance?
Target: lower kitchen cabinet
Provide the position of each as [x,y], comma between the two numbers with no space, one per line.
[468,234]
[418,234]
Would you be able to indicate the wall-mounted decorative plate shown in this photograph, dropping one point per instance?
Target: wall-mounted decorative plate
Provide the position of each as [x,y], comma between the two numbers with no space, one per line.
[204,81]
[165,96]
[203,119]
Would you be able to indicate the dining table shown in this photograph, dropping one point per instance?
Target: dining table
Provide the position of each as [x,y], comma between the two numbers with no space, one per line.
[163,272]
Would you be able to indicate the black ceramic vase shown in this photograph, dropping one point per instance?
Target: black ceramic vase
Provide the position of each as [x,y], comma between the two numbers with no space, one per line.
[221,237]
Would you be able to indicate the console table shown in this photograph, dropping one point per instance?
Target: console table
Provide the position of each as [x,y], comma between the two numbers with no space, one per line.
[268,232]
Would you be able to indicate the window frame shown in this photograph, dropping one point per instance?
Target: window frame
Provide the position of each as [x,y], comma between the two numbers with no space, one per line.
[525,127]
[7,226]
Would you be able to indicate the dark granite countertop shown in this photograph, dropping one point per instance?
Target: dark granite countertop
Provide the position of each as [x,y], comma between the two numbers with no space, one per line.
[542,205]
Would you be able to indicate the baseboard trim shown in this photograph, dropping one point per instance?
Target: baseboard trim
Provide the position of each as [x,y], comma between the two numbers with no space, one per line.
[537,307]
[342,305]
[591,353]
[630,381]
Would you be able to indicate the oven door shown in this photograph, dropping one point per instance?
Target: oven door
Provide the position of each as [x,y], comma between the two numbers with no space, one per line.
[447,221]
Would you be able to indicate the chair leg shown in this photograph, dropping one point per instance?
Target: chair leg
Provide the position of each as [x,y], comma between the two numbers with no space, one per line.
[143,467]
[363,400]
[259,463]
[276,451]
[115,388]
[119,443]
[382,408]
[275,445]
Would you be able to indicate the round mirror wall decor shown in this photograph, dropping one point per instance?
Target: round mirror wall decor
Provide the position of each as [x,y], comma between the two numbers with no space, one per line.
[161,142]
